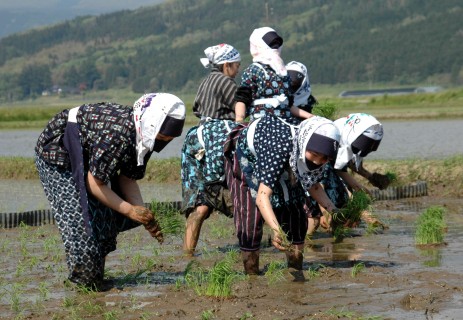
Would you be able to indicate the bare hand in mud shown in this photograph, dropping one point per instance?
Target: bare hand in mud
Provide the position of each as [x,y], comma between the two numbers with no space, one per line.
[141,214]
[325,221]
[278,242]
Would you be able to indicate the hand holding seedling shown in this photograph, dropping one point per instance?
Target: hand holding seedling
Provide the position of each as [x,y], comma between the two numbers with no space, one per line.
[277,241]
[155,230]
[141,214]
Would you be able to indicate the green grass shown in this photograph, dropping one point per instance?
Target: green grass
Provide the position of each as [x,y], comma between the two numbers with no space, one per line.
[430,226]
[445,104]
[29,114]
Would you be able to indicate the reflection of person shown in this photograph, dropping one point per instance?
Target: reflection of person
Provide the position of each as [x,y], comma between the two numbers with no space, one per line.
[300,86]
[202,155]
[264,86]
[260,175]
[360,134]
[89,159]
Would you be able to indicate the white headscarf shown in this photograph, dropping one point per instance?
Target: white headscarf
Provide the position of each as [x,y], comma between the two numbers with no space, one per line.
[149,113]
[304,91]
[297,161]
[351,127]
[220,54]
[261,52]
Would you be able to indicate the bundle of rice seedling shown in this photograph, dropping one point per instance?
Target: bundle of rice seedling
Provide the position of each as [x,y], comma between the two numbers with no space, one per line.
[430,226]
[352,211]
[217,281]
[168,217]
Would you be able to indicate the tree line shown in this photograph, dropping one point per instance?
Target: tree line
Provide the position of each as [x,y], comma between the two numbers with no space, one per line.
[158,48]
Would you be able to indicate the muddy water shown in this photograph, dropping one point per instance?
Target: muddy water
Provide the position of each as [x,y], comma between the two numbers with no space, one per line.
[399,281]
[402,139]
[28,195]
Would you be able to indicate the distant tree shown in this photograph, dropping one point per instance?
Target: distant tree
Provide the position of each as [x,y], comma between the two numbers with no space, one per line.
[34,79]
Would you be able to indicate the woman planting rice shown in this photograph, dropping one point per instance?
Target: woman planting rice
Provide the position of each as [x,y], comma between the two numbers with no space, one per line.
[361,134]
[268,174]
[89,159]
[202,153]
[265,84]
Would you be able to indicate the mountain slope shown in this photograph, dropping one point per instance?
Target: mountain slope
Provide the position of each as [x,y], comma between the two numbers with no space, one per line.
[158,47]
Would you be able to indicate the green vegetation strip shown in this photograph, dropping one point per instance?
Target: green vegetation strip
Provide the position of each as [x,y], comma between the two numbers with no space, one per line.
[435,172]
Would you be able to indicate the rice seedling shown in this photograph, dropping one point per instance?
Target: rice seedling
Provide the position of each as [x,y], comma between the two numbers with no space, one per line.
[350,214]
[356,269]
[354,207]
[326,109]
[136,260]
[110,315]
[69,302]
[92,308]
[340,232]
[247,315]
[314,272]
[274,272]
[392,176]
[430,226]
[207,315]
[285,243]
[221,231]
[43,289]
[221,278]
[216,282]
[169,219]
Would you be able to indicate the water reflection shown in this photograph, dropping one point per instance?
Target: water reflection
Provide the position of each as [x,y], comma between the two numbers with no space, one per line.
[336,251]
[434,256]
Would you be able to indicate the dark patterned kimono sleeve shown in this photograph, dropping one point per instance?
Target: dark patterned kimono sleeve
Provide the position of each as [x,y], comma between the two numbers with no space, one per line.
[106,156]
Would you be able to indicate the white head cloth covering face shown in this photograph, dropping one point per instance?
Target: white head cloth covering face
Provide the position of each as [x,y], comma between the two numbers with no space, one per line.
[304,91]
[149,113]
[261,52]
[351,127]
[297,160]
[220,54]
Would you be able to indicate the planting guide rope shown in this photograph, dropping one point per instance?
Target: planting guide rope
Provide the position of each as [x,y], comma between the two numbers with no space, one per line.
[41,217]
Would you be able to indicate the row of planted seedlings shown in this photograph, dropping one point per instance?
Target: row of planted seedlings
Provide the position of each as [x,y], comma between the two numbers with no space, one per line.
[35,270]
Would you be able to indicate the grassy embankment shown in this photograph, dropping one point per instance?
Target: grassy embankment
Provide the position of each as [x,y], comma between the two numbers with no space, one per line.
[444,176]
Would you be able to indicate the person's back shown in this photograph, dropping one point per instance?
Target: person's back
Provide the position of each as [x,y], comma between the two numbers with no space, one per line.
[215,96]
[265,84]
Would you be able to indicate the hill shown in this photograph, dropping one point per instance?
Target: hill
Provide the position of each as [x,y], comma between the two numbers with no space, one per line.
[158,48]
[19,16]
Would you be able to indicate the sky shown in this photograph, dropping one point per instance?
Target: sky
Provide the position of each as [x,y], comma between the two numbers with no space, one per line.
[17,16]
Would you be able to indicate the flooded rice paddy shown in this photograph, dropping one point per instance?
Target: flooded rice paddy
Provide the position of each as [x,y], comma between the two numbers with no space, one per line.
[402,140]
[397,281]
